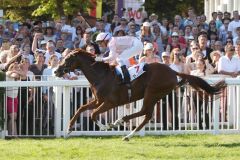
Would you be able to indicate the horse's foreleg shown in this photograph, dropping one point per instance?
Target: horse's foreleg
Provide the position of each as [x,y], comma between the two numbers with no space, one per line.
[120,121]
[102,108]
[91,105]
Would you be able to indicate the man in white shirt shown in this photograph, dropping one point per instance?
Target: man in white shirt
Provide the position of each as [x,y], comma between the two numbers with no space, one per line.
[229,65]
[234,24]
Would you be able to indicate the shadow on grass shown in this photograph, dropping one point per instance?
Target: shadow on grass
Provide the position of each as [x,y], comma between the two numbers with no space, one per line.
[228,145]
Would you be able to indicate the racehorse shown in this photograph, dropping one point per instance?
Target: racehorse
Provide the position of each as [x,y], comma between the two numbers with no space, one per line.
[158,81]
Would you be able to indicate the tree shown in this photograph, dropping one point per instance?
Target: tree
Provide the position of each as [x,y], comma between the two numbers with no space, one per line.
[57,8]
[16,9]
[19,10]
[170,8]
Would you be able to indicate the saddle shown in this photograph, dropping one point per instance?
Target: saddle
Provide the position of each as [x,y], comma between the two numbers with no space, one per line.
[134,71]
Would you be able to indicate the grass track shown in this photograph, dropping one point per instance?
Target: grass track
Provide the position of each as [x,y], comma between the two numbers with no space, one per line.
[113,148]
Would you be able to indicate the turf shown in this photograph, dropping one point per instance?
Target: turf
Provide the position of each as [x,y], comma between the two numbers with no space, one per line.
[113,148]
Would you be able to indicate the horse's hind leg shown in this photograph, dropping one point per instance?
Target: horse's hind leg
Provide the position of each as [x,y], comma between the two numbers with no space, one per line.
[146,119]
[147,110]
[148,105]
[91,105]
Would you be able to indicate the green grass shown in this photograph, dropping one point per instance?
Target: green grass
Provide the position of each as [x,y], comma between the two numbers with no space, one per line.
[113,148]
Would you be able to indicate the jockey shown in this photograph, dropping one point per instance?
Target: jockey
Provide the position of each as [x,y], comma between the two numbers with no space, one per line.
[121,49]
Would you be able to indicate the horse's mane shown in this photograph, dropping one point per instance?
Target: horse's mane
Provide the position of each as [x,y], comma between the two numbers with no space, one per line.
[91,57]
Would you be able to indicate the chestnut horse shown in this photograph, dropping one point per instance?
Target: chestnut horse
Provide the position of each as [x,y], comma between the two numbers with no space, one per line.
[154,84]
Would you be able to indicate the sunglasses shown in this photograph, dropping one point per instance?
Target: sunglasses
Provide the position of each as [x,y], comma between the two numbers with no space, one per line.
[174,36]
[195,48]
[19,39]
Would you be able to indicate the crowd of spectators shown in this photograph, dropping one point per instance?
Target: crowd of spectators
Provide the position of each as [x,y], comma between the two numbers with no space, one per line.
[33,49]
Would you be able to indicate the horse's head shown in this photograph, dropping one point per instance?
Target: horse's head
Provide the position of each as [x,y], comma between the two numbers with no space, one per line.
[73,61]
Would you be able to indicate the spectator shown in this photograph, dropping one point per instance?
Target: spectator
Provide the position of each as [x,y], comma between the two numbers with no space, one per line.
[215,56]
[202,40]
[219,21]
[50,48]
[60,46]
[90,48]
[119,33]
[237,36]
[3,60]
[26,53]
[234,24]
[14,50]
[115,22]
[14,73]
[203,23]
[132,29]
[78,40]
[201,70]
[191,19]
[49,34]
[226,15]
[166,58]
[146,33]
[237,49]
[192,47]
[88,41]
[107,26]
[158,38]
[26,100]
[178,22]
[174,42]
[149,56]
[176,60]
[123,26]
[229,65]
[223,31]
[48,97]
[38,67]
[187,32]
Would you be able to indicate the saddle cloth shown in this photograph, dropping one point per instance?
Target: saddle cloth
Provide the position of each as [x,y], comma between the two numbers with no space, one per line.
[134,71]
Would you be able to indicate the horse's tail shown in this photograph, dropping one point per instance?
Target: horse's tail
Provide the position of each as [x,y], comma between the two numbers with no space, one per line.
[200,84]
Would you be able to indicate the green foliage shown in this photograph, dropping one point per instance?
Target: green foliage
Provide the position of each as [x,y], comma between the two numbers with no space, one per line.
[170,8]
[16,10]
[57,8]
[19,10]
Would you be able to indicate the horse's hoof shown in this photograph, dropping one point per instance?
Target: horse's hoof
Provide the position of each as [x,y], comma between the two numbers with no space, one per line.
[69,130]
[110,125]
[125,139]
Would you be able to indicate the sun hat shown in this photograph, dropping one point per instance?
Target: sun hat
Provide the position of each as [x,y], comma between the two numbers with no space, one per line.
[165,54]
[146,24]
[148,46]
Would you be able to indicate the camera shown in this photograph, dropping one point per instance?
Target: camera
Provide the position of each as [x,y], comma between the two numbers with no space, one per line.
[123,9]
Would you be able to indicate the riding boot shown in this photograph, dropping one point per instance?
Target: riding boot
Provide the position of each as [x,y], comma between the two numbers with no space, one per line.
[126,75]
